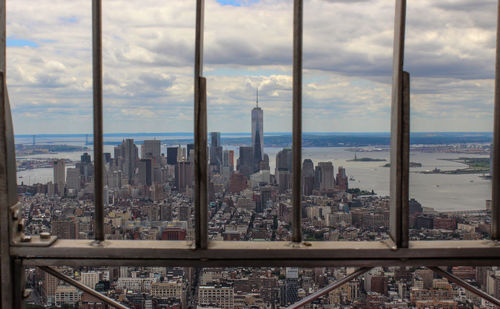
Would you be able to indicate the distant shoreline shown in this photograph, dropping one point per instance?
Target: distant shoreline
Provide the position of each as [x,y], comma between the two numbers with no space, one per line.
[354,139]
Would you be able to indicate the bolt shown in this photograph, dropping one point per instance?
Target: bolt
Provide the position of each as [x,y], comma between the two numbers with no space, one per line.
[20,226]
[45,235]
[26,293]
[15,213]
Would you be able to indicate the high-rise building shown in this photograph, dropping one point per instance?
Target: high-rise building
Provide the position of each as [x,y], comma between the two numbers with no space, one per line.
[85,167]
[284,160]
[245,162]
[60,176]
[265,196]
[216,296]
[342,181]
[283,170]
[73,180]
[289,291]
[172,155]
[90,278]
[65,228]
[189,148]
[308,176]
[215,150]
[326,178]
[85,158]
[66,295]
[228,159]
[144,174]
[257,133]
[184,175]
[127,156]
[151,149]
[107,157]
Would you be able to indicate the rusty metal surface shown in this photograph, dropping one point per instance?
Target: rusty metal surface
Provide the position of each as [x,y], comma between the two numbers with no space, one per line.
[396,170]
[297,121]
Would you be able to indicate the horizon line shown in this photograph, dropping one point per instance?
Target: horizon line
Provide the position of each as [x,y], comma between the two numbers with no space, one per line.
[241,133]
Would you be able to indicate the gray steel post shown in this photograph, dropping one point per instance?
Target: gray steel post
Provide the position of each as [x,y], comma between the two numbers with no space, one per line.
[200,135]
[495,177]
[98,123]
[6,275]
[398,186]
[297,121]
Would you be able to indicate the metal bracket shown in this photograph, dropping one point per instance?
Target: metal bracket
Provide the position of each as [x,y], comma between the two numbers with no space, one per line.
[17,236]
[390,244]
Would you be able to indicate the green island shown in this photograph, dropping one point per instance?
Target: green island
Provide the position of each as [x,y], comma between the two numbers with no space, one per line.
[365,159]
[474,166]
[412,164]
[358,191]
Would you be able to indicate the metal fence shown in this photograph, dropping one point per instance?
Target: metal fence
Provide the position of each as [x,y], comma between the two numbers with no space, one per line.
[18,251]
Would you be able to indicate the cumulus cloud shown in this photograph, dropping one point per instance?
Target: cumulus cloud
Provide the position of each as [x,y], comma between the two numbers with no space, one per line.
[148,52]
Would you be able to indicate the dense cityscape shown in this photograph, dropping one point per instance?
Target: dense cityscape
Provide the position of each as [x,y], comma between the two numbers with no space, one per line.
[149,196]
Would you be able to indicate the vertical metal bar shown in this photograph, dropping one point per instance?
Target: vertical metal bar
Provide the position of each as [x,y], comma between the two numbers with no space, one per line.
[397,129]
[495,177]
[200,135]
[98,124]
[297,121]
[329,288]
[81,286]
[405,161]
[6,275]
[465,285]
[19,284]
[3,36]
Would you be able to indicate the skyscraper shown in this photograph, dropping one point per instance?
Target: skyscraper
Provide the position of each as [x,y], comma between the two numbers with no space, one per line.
[60,176]
[308,177]
[215,150]
[190,147]
[73,180]
[127,156]
[144,174]
[257,133]
[85,167]
[151,149]
[327,178]
[283,170]
[172,155]
[245,162]
[183,175]
[342,181]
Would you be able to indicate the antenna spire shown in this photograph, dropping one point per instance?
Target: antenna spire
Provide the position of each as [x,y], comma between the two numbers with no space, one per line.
[257,97]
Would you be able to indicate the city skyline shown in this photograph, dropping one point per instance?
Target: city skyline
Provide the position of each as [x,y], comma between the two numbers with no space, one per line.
[148,78]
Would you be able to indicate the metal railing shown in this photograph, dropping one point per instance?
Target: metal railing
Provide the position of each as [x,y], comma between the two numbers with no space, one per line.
[17,252]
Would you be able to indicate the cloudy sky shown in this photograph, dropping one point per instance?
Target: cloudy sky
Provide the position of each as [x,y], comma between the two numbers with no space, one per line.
[148,50]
